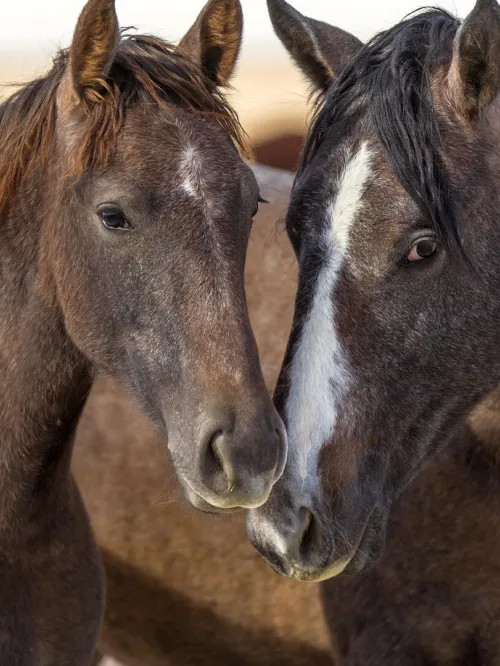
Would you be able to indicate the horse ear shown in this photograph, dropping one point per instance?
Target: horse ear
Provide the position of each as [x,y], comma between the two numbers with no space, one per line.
[320,50]
[93,48]
[214,40]
[474,75]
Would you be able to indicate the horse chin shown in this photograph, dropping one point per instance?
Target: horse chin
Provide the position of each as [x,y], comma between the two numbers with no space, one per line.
[371,544]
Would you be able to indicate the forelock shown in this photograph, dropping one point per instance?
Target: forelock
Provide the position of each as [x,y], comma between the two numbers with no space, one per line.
[388,83]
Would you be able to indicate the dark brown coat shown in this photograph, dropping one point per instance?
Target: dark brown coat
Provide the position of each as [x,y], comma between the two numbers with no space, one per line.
[434,597]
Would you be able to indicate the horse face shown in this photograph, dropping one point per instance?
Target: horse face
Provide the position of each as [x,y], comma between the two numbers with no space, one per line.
[395,292]
[150,255]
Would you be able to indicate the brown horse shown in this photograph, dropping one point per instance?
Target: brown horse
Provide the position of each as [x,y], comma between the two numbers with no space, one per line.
[125,215]
[390,382]
[185,588]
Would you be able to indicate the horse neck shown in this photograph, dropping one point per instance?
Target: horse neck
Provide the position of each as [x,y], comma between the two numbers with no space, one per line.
[43,378]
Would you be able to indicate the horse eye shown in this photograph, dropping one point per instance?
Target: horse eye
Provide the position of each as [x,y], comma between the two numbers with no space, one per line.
[114,219]
[259,201]
[422,249]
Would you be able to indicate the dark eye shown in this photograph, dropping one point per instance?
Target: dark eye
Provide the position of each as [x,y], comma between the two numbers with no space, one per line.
[259,201]
[422,249]
[114,219]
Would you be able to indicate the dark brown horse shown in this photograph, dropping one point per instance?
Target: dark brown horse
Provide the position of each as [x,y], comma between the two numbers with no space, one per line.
[394,219]
[182,587]
[125,215]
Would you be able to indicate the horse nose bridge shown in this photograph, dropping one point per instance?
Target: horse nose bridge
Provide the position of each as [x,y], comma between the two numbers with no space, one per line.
[232,391]
[223,341]
[229,369]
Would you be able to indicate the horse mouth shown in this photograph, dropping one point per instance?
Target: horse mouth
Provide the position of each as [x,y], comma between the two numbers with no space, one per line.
[364,554]
[335,569]
[201,504]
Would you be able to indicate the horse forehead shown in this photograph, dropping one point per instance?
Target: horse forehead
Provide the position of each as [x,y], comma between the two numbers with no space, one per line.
[178,138]
[332,185]
[333,196]
[356,172]
[364,206]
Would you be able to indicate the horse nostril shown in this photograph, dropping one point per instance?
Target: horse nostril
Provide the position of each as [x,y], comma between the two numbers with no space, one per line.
[215,459]
[282,452]
[214,451]
[309,535]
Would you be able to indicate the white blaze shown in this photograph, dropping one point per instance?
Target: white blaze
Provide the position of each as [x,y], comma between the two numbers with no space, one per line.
[319,372]
[191,170]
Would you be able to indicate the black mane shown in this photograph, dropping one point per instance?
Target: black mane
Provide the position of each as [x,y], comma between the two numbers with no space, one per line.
[390,79]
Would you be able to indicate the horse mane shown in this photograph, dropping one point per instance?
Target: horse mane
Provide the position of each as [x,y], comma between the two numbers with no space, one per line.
[390,79]
[145,69]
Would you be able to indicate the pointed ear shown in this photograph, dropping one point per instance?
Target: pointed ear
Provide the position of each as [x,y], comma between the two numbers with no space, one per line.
[474,76]
[214,40]
[320,50]
[93,48]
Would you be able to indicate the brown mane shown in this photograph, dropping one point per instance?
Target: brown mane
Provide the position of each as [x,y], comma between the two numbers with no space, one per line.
[145,70]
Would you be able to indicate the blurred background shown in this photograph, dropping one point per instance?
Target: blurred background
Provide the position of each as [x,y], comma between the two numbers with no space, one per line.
[270,95]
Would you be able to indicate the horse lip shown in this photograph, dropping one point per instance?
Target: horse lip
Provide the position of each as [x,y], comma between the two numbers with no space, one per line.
[201,504]
[331,571]
[211,506]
